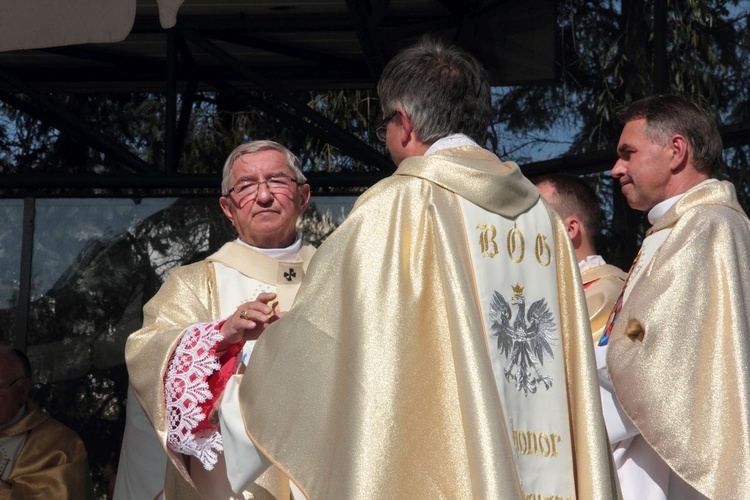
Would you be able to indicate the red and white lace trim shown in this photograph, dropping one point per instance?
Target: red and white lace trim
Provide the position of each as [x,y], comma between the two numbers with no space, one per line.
[186,386]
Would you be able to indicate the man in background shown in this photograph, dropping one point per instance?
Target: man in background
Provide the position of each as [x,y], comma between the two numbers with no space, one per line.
[439,347]
[578,206]
[39,456]
[677,349]
[200,328]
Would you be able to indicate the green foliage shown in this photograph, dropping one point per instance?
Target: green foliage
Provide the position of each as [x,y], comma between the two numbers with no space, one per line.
[607,59]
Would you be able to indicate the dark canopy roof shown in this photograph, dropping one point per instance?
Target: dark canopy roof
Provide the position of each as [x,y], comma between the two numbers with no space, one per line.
[269,45]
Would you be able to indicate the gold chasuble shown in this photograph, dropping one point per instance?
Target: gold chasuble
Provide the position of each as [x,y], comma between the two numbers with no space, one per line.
[51,463]
[203,292]
[407,367]
[679,353]
[602,286]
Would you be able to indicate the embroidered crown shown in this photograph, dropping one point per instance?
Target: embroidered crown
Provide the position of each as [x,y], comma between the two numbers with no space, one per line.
[518,289]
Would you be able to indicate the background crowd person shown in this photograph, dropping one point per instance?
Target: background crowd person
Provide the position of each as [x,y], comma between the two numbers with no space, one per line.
[677,348]
[200,328]
[39,456]
[406,367]
[578,206]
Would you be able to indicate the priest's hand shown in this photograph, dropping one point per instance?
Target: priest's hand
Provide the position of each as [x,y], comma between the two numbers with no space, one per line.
[249,320]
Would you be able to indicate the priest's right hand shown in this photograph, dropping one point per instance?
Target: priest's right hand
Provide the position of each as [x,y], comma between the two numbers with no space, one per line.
[248,321]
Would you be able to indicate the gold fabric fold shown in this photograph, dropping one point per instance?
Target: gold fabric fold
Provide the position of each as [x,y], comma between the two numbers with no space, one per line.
[602,286]
[190,296]
[398,399]
[52,463]
[679,354]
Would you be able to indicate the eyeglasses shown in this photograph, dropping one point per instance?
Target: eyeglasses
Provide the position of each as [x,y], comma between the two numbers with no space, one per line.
[381,130]
[6,387]
[247,190]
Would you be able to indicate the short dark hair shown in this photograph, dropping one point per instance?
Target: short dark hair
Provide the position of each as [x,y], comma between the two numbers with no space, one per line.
[667,115]
[442,88]
[21,358]
[574,196]
[24,361]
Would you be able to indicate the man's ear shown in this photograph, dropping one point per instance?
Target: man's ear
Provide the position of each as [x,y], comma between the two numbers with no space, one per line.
[226,207]
[304,192]
[573,225]
[406,127]
[680,151]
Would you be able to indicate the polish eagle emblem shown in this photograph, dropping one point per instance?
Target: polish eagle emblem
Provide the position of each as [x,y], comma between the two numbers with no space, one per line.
[525,340]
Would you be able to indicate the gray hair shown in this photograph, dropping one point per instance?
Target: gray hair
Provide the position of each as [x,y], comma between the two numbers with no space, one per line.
[667,115]
[253,147]
[443,90]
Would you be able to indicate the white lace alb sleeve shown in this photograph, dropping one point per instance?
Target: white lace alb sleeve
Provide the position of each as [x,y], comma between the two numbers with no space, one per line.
[186,386]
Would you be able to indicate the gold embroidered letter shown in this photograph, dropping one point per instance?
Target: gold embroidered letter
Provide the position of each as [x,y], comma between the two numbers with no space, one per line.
[542,250]
[487,243]
[554,437]
[544,443]
[533,444]
[516,244]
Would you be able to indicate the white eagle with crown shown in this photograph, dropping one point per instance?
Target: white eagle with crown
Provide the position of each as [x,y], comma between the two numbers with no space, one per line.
[526,340]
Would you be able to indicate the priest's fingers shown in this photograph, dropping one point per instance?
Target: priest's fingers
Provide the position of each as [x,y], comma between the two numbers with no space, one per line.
[246,317]
[265,297]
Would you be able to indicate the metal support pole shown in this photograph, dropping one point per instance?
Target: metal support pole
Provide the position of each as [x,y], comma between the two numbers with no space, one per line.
[21,327]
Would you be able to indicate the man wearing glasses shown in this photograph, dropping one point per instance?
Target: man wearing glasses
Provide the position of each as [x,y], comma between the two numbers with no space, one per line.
[439,347]
[39,456]
[199,329]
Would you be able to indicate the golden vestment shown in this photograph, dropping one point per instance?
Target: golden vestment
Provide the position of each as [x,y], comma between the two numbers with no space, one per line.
[378,382]
[52,463]
[189,296]
[602,286]
[679,353]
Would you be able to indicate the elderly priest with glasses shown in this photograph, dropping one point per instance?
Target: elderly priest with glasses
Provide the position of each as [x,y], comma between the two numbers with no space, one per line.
[200,328]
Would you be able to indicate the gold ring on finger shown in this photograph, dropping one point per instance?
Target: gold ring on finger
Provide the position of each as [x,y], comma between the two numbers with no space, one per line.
[243,314]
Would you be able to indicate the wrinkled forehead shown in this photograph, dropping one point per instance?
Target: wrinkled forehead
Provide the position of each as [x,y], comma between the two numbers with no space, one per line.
[261,164]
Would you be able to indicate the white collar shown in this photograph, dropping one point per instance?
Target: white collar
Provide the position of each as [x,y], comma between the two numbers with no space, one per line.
[289,253]
[591,262]
[450,141]
[661,208]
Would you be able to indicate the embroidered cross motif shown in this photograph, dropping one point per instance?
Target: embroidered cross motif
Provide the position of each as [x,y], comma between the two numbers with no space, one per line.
[290,275]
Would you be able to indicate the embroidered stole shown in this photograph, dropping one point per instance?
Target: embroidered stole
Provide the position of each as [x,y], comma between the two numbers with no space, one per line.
[235,288]
[516,280]
[649,247]
[9,447]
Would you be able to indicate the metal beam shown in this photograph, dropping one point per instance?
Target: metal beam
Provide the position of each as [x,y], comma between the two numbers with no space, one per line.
[188,95]
[21,326]
[367,15]
[599,161]
[56,182]
[336,135]
[323,60]
[171,154]
[44,109]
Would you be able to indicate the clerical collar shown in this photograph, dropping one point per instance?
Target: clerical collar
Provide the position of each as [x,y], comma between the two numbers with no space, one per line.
[289,253]
[591,262]
[18,416]
[450,141]
[661,208]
